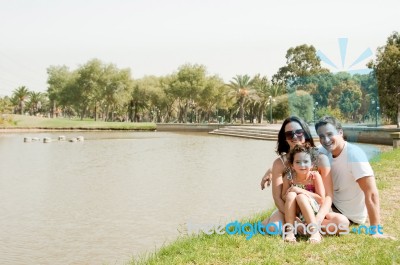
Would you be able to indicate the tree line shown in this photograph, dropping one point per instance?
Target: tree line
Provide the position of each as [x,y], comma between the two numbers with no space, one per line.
[301,87]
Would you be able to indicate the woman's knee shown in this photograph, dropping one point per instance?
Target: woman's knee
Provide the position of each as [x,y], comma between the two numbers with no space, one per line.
[274,221]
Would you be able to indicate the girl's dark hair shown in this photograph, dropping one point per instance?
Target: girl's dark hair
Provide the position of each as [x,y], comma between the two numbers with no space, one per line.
[282,146]
[306,148]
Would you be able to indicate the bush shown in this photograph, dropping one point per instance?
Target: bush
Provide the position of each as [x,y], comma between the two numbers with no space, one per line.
[7,120]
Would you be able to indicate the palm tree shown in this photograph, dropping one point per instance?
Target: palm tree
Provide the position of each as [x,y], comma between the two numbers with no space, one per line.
[276,90]
[20,95]
[240,86]
[35,102]
[265,91]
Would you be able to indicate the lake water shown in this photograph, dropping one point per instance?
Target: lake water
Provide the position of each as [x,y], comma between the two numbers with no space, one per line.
[121,194]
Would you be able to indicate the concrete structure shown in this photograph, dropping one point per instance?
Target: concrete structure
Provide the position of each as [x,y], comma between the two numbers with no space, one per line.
[370,135]
[382,136]
[360,134]
[396,139]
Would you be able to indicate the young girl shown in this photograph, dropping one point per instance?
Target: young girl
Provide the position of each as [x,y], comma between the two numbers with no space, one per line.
[303,192]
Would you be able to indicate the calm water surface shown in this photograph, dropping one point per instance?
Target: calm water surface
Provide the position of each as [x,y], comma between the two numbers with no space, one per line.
[118,195]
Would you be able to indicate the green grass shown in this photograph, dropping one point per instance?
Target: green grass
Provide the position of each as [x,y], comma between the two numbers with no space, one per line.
[345,249]
[31,122]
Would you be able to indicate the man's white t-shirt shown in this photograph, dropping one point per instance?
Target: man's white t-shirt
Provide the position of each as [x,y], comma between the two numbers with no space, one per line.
[351,165]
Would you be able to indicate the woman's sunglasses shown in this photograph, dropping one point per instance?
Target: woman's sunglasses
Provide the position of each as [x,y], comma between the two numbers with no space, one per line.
[290,134]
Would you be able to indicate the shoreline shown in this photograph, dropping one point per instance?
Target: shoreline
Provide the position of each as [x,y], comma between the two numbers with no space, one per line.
[357,134]
[39,129]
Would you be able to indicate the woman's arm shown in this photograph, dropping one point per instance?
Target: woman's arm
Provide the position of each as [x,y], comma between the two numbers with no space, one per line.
[266,179]
[285,187]
[277,182]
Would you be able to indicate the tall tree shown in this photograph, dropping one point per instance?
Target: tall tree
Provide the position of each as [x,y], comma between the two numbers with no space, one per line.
[20,96]
[168,100]
[387,69]
[346,96]
[301,104]
[369,91]
[36,99]
[302,62]
[323,86]
[58,79]
[186,87]
[240,88]
[264,90]
[138,102]
[88,87]
[210,98]
[115,86]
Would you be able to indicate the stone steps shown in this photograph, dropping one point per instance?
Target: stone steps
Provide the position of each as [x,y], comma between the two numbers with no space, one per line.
[253,132]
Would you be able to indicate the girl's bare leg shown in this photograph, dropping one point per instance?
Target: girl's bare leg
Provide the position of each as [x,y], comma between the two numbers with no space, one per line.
[290,216]
[308,213]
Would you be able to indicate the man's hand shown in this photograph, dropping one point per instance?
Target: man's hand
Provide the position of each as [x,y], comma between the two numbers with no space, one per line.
[378,235]
[266,179]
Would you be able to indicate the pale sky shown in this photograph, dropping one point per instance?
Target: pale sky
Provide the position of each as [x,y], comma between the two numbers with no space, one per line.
[155,37]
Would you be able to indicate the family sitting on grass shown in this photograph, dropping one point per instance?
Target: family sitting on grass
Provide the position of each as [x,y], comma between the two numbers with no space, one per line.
[326,188]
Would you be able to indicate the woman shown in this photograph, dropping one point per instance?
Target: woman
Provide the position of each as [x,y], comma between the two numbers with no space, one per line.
[295,131]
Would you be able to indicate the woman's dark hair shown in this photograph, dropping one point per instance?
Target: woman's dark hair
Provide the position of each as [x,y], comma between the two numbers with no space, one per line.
[282,146]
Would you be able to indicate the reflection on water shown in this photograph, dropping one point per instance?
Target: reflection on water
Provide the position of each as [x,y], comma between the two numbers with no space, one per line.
[119,194]
[374,151]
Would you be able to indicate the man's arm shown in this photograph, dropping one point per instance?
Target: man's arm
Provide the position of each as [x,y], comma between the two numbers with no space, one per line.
[368,186]
[324,169]
[319,194]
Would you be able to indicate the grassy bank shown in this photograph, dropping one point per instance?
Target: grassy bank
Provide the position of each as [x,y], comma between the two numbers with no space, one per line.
[31,122]
[345,249]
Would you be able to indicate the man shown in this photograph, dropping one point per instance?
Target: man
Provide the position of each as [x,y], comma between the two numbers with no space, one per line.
[355,193]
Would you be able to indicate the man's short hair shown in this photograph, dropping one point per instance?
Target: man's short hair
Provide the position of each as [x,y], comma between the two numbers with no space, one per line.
[328,120]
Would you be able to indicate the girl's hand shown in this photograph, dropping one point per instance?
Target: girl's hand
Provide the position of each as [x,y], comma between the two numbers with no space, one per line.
[295,189]
[290,189]
[313,175]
